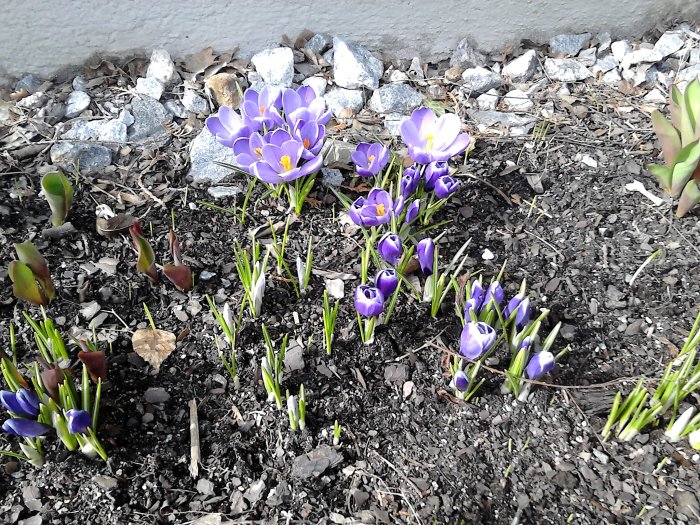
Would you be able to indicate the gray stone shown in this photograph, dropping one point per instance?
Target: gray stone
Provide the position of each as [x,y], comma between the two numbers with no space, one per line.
[319,43]
[395,98]
[113,131]
[355,67]
[150,86]
[517,100]
[347,102]
[466,56]
[126,117]
[604,64]
[489,119]
[603,40]
[316,462]
[565,70]
[149,119]
[255,491]
[194,103]
[28,82]
[641,56]
[162,68]
[294,357]
[206,487]
[77,102]
[318,84]
[156,394]
[105,482]
[392,122]
[84,130]
[522,68]
[328,56]
[79,83]
[33,101]
[568,45]
[587,57]
[175,108]
[337,152]
[620,48]
[688,74]
[203,152]
[612,77]
[480,80]
[223,192]
[275,65]
[395,76]
[669,43]
[687,503]
[488,101]
[88,157]
[331,177]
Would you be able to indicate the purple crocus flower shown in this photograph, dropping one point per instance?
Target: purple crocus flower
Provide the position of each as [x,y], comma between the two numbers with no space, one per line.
[426,255]
[227,126]
[369,301]
[386,281]
[460,381]
[525,343]
[78,421]
[522,314]
[445,186]
[476,298]
[412,211]
[263,108]
[430,138]
[304,106]
[390,248]
[25,427]
[540,364]
[495,292]
[374,210]
[477,339]
[433,172]
[410,180]
[370,159]
[248,150]
[280,163]
[513,305]
[311,134]
[23,403]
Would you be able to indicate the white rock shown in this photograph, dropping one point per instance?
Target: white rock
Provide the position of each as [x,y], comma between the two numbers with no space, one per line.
[340,99]
[620,49]
[689,74]
[568,44]
[612,77]
[640,56]
[487,255]
[355,67]
[480,80]
[587,57]
[396,76]
[150,118]
[604,64]
[162,68]
[84,130]
[34,100]
[113,131]
[318,84]
[488,101]
[150,86]
[203,152]
[604,41]
[77,102]
[395,98]
[522,68]
[276,65]
[565,70]
[392,122]
[223,192]
[335,288]
[669,43]
[194,103]
[655,96]
[176,109]
[466,56]
[126,117]
[517,100]
[488,119]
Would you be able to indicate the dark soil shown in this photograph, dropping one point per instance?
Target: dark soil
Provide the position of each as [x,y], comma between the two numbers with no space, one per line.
[409,453]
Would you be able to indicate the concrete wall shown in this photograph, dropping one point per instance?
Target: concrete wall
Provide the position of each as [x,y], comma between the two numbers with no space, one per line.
[41,36]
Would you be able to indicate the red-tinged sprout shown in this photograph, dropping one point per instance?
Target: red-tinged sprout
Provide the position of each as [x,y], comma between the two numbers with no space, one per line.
[51,378]
[95,362]
[690,195]
[177,273]
[146,262]
[24,284]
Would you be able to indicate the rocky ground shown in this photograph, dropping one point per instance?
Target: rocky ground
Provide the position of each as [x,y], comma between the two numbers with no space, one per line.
[556,186]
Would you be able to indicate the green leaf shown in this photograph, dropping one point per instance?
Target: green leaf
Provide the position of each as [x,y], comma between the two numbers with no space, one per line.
[663,174]
[685,166]
[692,104]
[675,106]
[668,137]
[29,255]
[24,285]
[146,262]
[687,121]
[59,193]
[689,198]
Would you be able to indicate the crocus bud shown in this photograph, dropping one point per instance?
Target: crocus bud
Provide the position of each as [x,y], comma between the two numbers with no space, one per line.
[433,172]
[540,364]
[475,299]
[445,186]
[25,427]
[460,381]
[426,255]
[59,194]
[513,305]
[386,281]
[522,314]
[228,318]
[390,248]
[694,439]
[495,292]
[78,421]
[412,212]
[369,301]
[477,339]
[673,434]
[23,403]
[410,180]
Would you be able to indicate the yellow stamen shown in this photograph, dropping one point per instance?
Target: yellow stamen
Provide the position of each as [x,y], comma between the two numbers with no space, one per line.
[370,158]
[307,143]
[262,110]
[258,152]
[286,162]
[429,141]
[381,212]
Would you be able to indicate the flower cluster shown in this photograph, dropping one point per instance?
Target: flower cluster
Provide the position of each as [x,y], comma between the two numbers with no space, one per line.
[276,136]
[489,320]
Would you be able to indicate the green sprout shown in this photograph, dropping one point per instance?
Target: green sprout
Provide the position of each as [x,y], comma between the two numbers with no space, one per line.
[271,367]
[330,316]
[251,271]
[230,329]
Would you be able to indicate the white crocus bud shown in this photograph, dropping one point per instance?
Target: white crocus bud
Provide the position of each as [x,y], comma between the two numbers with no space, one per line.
[694,439]
[258,293]
[301,273]
[33,455]
[673,434]
[228,318]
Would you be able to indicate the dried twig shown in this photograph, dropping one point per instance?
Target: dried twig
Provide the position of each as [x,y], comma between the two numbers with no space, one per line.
[195,455]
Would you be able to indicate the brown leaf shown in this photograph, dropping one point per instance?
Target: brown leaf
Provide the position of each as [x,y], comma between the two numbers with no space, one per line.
[153,345]
[117,224]
[225,87]
[197,62]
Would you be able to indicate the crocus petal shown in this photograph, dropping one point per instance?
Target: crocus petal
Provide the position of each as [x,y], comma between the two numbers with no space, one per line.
[311,166]
[386,281]
[540,364]
[29,402]
[461,380]
[426,255]
[25,427]
[369,301]
[265,173]
[460,144]
[476,339]
[78,421]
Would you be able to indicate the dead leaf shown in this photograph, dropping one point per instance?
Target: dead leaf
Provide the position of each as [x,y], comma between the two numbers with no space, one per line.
[117,224]
[197,62]
[226,88]
[153,345]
